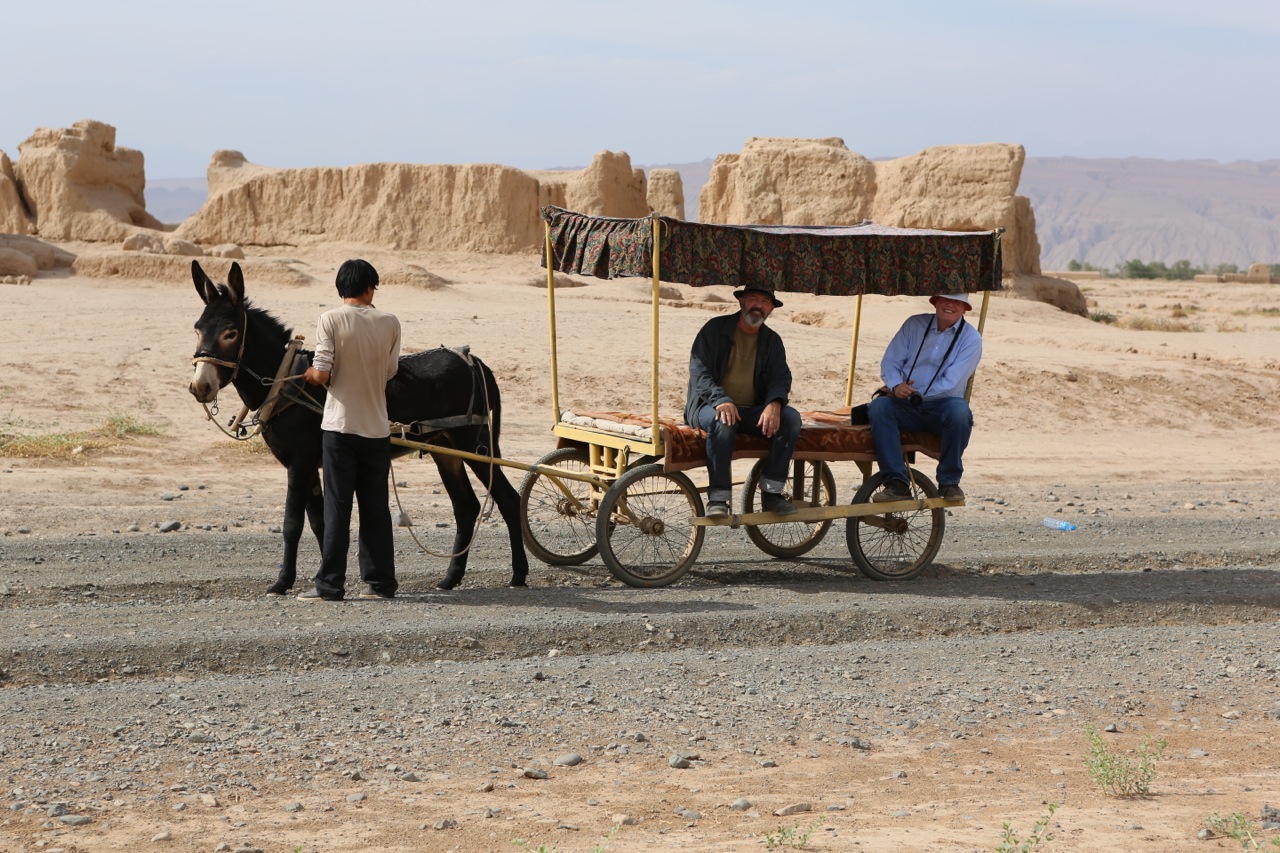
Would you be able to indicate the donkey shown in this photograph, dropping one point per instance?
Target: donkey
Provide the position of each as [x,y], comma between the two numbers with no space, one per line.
[445,397]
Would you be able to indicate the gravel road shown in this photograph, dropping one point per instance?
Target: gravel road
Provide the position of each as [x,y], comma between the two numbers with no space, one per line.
[154,696]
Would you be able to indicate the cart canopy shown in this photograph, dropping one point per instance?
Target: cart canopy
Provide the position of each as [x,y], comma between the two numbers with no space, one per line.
[836,260]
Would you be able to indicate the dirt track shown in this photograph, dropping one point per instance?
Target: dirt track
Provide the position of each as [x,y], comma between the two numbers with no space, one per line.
[151,688]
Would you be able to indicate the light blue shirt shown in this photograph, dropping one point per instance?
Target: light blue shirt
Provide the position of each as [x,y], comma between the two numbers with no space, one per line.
[895,367]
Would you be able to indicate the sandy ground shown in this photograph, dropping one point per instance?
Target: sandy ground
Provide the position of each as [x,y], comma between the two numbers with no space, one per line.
[1175,421]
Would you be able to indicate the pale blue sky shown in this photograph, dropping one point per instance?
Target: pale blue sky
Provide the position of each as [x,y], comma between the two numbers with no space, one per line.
[545,84]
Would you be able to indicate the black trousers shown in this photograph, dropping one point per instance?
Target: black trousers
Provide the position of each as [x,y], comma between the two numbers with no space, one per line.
[356,470]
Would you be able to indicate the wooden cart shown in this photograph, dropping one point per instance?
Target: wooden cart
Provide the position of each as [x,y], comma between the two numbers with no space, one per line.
[615,484]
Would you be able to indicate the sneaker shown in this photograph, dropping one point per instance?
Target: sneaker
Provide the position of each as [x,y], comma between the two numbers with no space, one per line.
[776,504]
[314,594]
[718,509]
[367,591]
[894,490]
[950,492]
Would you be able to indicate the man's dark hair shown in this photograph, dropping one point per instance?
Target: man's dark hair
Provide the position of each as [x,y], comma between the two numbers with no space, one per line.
[355,277]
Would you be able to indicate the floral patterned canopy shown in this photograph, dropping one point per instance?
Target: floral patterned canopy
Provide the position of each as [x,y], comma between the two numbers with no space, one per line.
[825,260]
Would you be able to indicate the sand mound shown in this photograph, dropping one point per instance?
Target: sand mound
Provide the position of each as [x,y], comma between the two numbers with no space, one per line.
[177,269]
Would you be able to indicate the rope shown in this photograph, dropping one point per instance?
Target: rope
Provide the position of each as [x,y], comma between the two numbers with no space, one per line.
[486,509]
[235,436]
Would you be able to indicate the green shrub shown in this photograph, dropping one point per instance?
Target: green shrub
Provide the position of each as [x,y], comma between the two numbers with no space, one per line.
[1117,775]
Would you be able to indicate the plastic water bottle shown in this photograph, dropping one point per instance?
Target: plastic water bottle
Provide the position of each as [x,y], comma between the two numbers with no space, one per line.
[1058,524]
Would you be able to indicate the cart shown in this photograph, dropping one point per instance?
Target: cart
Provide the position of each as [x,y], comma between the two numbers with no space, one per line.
[616,484]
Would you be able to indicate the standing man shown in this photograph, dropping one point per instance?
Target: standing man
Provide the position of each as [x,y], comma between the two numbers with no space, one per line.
[357,353]
[739,381]
[925,369]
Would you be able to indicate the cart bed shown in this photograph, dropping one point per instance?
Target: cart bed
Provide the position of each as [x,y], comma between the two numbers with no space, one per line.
[825,436]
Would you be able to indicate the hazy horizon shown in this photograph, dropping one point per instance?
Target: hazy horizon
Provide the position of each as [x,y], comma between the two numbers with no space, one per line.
[527,86]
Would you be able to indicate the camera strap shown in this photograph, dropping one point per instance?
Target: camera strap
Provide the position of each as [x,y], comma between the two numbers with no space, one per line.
[945,355]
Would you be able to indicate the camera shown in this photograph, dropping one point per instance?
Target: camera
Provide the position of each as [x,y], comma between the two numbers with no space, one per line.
[915,399]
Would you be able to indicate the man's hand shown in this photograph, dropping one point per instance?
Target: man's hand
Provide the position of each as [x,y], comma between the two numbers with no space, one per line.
[316,377]
[903,390]
[770,418]
[727,413]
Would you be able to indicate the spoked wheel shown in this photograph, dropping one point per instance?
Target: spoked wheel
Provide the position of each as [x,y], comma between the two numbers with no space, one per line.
[645,528]
[558,515]
[896,546]
[810,484]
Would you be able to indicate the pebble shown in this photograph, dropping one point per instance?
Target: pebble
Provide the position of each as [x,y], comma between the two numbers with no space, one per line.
[170,526]
[794,808]
[740,805]
[534,773]
[572,759]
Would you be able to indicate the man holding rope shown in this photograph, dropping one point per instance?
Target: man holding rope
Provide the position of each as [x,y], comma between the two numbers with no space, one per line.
[357,353]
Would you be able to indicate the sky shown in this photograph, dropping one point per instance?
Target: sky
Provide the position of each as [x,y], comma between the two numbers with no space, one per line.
[549,84]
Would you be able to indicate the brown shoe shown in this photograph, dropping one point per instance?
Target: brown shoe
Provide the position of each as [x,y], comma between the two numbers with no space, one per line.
[314,594]
[894,490]
[950,492]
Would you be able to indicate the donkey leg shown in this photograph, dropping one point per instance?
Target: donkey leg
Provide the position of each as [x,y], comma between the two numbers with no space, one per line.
[508,501]
[466,509]
[304,491]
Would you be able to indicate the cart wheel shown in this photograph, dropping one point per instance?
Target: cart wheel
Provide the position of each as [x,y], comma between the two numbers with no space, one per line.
[558,515]
[895,546]
[645,528]
[810,484]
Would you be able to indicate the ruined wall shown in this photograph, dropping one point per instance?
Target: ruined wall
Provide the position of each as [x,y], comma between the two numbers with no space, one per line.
[778,181]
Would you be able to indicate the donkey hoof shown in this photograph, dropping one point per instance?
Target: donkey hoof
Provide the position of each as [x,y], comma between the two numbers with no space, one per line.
[519,582]
[279,588]
[448,583]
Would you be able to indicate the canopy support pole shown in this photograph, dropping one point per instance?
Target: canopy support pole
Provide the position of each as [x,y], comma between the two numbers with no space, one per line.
[551,308]
[653,357]
[853,350]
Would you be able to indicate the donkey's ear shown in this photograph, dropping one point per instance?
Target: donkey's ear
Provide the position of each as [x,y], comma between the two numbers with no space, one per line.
[235,283]
[204,285]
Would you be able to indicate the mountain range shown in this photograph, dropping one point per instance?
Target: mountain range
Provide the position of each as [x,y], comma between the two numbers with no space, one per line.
[1098,211]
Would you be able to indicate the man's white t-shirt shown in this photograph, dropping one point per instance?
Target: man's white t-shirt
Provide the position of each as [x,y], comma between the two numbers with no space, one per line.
[360,346]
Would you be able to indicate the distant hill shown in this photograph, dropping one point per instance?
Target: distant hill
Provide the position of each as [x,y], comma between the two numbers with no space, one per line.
[1106,211]
[172,200]
[1101,212]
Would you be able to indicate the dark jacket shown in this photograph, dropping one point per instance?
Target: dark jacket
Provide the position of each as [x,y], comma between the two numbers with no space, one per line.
[710,358]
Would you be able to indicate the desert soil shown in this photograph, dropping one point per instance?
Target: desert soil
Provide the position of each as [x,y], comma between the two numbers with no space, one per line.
[154,698]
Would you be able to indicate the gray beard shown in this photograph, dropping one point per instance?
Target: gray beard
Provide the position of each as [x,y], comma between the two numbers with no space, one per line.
[754,319]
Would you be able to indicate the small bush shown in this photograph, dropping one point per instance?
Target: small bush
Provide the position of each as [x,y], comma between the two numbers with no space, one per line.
[1117,775]
[791,836]
[1102,317]
[1011,843]
[1240,827]
[1158,324]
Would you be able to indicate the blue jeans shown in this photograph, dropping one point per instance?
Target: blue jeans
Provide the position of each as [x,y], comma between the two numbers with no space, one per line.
[356,470]
[948,417]
[720,441]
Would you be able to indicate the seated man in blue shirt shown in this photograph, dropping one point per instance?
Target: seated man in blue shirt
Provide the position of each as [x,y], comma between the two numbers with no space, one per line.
[925,369]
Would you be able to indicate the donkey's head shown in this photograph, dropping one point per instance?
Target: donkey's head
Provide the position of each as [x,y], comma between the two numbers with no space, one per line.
[220,332]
